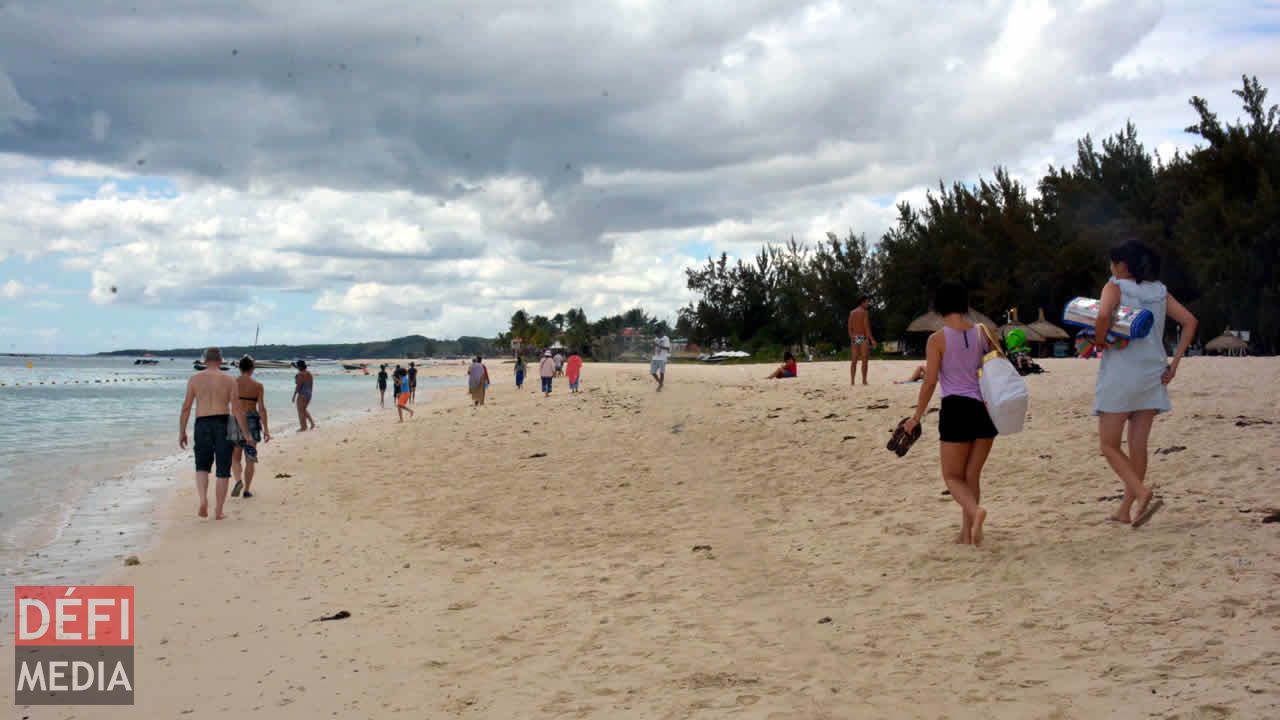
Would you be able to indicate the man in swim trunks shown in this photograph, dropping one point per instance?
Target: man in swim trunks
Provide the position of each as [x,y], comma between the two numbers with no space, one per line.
[413,383]
[860,340]
[382,385]
[213,393]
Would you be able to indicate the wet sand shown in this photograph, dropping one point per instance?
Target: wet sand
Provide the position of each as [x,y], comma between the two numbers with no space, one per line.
[729,547]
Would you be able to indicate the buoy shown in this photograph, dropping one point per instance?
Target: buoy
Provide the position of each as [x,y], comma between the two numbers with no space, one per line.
[28,364]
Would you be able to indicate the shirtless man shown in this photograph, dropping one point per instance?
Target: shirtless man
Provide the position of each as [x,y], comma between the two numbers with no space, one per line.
[860,339]
[213,393]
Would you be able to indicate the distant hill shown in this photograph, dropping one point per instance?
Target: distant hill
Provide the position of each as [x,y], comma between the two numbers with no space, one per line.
[410,346]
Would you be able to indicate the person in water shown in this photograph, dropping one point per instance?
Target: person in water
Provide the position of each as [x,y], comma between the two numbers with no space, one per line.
[1132,386]
[573,371]
[404,394]
[953,356]
[213,394]
[788,369]
[860,339]
[252,398]
[382,385]
[520,371]
[302,386]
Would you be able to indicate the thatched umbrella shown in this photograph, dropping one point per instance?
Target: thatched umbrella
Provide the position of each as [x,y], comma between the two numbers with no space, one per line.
[932,321]
[1014,324]
[1048,330]
[1226,342]
[926,323]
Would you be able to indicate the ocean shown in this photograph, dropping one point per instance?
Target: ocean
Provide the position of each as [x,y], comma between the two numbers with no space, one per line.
[89,445]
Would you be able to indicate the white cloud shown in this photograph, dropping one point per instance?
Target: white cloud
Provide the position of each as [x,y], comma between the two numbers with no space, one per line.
[433,171]
[12,290]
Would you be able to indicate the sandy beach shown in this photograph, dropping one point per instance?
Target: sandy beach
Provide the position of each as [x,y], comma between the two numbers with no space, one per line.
[730,547]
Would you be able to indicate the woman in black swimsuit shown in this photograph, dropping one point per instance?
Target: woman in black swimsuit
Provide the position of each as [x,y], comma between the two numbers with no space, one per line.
[382,385]
[251,396]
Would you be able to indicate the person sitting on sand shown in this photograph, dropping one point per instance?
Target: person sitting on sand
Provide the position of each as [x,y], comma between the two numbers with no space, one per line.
[404,395]
[788,369]
[547,371]
[253,398]
[953,356]
[573,370]
[1133,381]
[916,376]
[213,393]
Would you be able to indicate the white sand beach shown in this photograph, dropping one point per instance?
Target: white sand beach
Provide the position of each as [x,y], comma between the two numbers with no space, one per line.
[535,558]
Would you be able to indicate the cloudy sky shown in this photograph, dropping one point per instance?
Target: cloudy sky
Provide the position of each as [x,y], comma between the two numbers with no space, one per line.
[174,172]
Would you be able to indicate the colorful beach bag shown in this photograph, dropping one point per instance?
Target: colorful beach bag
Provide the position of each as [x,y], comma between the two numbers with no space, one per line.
[1003,390]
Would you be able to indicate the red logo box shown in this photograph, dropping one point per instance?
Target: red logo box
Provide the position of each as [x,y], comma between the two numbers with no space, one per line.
[63,615]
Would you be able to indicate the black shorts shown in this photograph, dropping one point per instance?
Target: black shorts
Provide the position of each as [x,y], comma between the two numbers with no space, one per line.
[963,420]
[212,444]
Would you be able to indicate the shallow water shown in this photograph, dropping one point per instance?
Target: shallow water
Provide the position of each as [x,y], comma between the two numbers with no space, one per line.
[89,444]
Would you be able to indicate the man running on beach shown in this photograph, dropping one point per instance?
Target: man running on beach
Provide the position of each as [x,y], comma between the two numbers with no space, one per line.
[658,366]
[213,393]
[860,340]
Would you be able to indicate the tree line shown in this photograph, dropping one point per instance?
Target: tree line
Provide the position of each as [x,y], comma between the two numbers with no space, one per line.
[1213,213]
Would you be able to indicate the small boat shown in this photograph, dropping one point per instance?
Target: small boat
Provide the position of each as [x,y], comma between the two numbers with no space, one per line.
[201,366]
[273,365]
[146,361]
[355,366]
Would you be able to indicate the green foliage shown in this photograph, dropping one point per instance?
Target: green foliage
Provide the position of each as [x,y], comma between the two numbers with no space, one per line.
[1213,214]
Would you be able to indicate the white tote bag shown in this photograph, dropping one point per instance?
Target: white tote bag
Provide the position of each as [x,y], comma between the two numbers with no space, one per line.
[1003,389]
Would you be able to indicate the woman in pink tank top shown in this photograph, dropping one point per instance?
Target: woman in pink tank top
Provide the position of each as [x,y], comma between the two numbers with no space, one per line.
[953,358]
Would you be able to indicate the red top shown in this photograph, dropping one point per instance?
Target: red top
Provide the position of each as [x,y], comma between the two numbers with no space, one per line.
[573,368]
[791,367]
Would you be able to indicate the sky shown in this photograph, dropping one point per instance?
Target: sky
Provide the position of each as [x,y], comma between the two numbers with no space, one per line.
[181,172]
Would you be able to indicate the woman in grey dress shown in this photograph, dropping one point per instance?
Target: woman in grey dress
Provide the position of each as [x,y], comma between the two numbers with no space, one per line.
[1132,381]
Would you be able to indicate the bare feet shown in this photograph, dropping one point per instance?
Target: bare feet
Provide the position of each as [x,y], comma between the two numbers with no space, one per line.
[963,537]
[1120,516]
[975,534]
[220,516]
[204,510]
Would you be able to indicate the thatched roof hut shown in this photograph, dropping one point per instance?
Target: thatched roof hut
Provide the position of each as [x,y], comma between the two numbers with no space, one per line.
[1227,343]
[932,321]
[1048,330]
[1015,324]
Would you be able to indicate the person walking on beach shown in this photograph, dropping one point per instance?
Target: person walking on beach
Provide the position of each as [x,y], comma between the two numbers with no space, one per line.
[1133,381]
[860,340]
[413,383]
[547,371]
[520,370]
[213,394]
[573,370]
[658,365]
[252,398]
[382,385]
[303,383]
[559,358]
[403,394]
[953,356]
[477,381]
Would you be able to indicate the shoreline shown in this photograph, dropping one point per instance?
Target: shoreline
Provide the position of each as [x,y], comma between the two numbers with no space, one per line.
[729,546]
[117,512]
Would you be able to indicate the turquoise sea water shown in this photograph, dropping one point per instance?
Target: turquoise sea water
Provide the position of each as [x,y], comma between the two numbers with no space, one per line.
[89,444]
